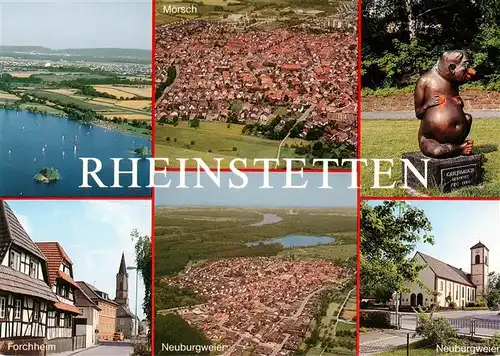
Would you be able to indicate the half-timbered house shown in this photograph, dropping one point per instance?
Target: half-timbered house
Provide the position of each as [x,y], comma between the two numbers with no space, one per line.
[60,316]
[25,296]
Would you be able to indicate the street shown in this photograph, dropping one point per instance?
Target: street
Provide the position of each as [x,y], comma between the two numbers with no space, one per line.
[108,350]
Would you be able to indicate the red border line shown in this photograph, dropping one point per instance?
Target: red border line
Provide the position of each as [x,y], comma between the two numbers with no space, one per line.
[431,198]
[153,152]
[358,217]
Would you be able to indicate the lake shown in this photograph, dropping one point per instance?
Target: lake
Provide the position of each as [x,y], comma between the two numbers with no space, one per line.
[29,142]
[297,241]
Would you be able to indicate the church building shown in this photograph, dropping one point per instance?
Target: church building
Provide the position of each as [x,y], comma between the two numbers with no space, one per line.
[125,320]
[451,284]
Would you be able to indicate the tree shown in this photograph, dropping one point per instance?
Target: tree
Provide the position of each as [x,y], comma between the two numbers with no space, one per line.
[389,233]
[143,261]
[493,296]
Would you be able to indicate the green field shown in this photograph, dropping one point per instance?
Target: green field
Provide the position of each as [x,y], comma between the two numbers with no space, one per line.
[391,138]
[59,77]
[177,141]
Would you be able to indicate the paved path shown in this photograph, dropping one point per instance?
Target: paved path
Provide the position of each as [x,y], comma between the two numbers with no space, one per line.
[111,349]
[376,342]
[483,114]
[107,350]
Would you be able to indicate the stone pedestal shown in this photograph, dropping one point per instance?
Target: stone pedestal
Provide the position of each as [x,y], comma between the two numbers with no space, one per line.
[446,174]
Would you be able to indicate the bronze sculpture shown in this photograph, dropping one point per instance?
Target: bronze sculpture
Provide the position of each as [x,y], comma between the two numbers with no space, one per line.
[444,125]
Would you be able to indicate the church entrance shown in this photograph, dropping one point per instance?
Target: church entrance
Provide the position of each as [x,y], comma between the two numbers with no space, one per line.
[420,299]
[413,300]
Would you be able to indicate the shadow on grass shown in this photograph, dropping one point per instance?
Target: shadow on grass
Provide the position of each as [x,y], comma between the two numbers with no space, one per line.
[484,149]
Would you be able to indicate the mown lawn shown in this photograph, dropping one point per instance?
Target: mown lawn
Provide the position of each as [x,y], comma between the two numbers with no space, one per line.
[391,138]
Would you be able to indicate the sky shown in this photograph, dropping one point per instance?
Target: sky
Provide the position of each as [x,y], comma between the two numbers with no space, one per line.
[253,196]
[459,225]
[94,233]
[61,24]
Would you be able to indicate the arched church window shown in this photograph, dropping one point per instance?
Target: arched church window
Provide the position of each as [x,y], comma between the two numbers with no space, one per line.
[478,259]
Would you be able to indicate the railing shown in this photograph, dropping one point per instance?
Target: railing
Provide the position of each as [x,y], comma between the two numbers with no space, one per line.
[464,326]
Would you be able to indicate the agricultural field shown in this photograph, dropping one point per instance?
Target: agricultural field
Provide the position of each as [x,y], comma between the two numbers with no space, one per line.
[216,139]
[109,108]
[7,97]
[126,92]
[25,74]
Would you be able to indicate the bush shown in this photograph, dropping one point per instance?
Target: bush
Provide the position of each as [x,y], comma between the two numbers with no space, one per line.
[168,138]
[235,149]
[192,143]
[436,331]
[494,341]
[453,305]
[375,319]
[366,305]
[141,349]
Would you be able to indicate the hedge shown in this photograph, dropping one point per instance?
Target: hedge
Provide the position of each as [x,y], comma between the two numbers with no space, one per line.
[375,319]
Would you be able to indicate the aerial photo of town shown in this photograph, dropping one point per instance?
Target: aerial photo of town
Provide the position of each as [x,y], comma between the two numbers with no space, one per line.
[65,94]
[274,279]
[256,79]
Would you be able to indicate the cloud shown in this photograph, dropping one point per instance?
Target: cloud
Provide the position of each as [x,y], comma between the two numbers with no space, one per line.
[123,217]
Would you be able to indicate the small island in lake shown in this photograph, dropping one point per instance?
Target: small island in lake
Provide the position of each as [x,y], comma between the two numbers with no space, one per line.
[47,175]
[143,151]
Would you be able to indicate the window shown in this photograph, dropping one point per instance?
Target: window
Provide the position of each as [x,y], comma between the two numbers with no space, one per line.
[486,260]
[15,260]
[463,292]
[33,269]
[441,286]
[478,259]
[68,321]
[456,294]
[17,310]
[121,321]
[3,304]
[36,311]
[61,320]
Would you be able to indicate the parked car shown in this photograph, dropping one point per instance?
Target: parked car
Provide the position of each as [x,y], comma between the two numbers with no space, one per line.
[118,337]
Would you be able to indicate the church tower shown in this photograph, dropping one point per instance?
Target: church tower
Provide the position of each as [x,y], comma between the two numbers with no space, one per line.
[122,284]
[479,268]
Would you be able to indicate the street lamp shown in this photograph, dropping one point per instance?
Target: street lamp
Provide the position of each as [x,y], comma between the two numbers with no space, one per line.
[395,297]
[136,324]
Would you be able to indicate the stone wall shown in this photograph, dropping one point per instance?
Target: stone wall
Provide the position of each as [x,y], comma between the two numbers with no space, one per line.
[473,99]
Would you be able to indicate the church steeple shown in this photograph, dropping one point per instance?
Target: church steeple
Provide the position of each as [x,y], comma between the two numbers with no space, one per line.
[479,268]
[123,266]
[122,283]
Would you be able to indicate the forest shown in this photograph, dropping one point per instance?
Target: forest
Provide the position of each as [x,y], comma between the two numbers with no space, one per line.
[402,39]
